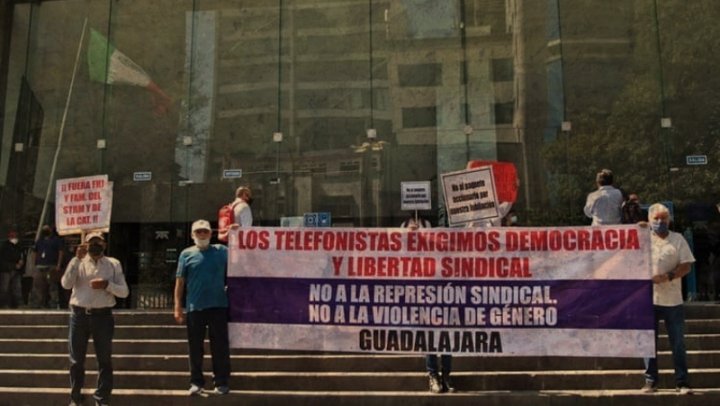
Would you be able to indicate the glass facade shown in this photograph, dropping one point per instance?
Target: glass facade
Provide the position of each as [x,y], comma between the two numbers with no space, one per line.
[365,94]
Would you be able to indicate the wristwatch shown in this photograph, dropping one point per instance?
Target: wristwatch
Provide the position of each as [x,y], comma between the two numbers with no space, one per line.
[671,276]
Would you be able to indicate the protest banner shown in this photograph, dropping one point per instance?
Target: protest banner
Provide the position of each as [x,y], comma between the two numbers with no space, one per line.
[571,291]
[415,196]
[83,204]
[470,196]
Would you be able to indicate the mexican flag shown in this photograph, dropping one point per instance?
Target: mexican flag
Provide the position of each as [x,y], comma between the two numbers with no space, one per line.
[108,65]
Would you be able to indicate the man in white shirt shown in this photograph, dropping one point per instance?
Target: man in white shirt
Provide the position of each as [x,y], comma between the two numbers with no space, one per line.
[95,281]
[241,206]
[671,260]
[604,205]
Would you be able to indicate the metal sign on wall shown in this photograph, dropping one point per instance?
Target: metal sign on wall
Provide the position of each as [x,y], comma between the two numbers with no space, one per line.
[232,173]
[321,219]
[696,159]
[142,176]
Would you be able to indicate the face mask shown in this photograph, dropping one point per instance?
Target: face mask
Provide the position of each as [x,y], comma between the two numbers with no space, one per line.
[95,249]
[14,241]
[659,227]
[249,201]
[201,242]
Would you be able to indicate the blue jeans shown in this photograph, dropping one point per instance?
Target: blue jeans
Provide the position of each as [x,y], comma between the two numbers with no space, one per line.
[674,317]
[99,326]
[215,321]
[431,364]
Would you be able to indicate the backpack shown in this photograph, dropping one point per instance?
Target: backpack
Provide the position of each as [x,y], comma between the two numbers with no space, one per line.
[226,217]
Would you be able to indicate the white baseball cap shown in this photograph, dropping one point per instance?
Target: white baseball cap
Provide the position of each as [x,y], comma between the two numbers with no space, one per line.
[201,225]
[94,234]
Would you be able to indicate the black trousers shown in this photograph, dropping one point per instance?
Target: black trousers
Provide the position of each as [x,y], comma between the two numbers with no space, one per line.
[214,321]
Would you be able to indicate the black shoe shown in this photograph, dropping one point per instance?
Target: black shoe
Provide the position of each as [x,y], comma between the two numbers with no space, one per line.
[447,384]
[77,402]
[434,382]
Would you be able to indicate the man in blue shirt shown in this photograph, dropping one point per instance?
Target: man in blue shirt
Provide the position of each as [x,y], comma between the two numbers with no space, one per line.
[49,254]
[201,273]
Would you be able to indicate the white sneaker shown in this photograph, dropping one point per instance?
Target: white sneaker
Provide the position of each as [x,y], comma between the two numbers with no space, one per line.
[649,387]
[434,383]
[195,390]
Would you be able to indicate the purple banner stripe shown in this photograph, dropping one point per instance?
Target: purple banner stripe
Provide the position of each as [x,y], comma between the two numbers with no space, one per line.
[589,304]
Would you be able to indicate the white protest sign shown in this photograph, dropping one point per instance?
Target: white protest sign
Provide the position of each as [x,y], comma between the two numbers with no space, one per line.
[83,204]
[415,196]
[470,196]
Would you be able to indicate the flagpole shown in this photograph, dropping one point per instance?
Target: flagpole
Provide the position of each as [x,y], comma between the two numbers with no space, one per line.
[60,135]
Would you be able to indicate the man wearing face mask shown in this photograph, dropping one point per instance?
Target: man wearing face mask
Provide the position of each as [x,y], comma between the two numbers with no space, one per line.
[11,271]
[49,252]
[96,280]
[201,272]
[671,260]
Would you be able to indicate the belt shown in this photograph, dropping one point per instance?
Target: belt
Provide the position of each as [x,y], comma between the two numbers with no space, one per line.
[90,311]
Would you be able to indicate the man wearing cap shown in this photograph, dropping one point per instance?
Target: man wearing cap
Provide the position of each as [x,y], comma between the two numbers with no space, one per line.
[95,280]
[12,264]
[201,272]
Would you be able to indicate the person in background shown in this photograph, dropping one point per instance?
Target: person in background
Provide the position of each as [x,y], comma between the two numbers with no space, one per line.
[437,383]
[201,273]
[96,280]
[70,244]
[12,267]
[49,252]
[510,219]
[242,214]
[413,224]
[603,205]
[631,211]
[671,259]
[241,206]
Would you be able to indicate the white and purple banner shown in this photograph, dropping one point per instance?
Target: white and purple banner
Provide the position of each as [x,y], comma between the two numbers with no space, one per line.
[575,291]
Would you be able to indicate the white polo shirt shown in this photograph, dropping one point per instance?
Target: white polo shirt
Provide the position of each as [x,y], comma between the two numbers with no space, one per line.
[667,254]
